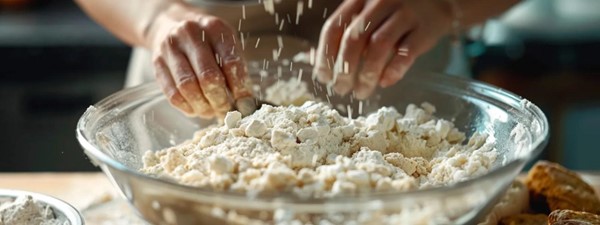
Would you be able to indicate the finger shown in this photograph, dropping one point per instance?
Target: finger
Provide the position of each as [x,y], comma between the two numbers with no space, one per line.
[163,76]
[202,60]
[380,49]
[355,39]
[184,77]
[415,44]
[395,70]
[228,53]
[331,35]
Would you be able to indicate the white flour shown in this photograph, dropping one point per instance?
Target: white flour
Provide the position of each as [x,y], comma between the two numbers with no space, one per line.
[24,210]
[312,151]
[288,92]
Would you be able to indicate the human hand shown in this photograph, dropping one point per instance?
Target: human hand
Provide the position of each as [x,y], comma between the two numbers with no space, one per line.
[197,61]
[369,42]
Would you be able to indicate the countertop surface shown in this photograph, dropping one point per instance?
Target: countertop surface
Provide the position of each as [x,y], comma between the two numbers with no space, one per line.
[83,190]
[78,189]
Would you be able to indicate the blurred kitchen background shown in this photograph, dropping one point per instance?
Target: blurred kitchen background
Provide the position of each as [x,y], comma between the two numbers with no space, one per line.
[55,62]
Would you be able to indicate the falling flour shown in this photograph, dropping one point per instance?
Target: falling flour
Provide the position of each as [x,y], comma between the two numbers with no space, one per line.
[288,92]
[24,210]
[312,151]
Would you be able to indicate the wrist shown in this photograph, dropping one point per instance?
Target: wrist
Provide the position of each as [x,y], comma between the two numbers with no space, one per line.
[164,13]
[453,18]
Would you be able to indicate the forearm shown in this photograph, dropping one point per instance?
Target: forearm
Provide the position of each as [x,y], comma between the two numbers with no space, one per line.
[477,11]
[129,20]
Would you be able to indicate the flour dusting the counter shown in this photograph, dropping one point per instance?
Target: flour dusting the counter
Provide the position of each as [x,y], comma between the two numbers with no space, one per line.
[313,151]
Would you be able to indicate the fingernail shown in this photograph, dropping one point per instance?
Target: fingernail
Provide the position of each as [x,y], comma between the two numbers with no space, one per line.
[218,97]
[341,89]
[246,106]
[222,97]
[248,85]
[186,108]
[199,105]
[393,75]
[362,93]
[342,85]
[226,107]
[367,82]
[223,108]
[321,75]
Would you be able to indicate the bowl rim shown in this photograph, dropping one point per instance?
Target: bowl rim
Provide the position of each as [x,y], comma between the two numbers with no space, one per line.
[536,148]
[73,216]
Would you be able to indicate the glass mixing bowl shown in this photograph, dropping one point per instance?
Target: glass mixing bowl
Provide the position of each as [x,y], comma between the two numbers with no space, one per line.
[116,132]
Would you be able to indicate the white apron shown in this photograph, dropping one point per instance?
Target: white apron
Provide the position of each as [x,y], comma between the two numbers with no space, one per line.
[259,23]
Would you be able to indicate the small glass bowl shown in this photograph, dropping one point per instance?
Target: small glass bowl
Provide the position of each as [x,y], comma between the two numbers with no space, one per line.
[62,211]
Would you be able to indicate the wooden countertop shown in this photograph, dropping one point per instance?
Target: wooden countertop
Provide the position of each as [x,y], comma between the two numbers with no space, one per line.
[78,189]
[83,189]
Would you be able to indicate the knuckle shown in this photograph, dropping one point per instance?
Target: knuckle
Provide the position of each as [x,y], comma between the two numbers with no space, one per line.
[241,88]
[381,4]
[211,23]
[223,108]
[211,76]
[173,96]
[230,60]
[388,4]
[170,41]
[186,84]
[235,68]
[205,113]
[350,55]
[351,40]
[368,80]
[157,61]
[323,75]
[160,77]
[233,65]
[182,30]
[329,23]
[382,39]
[217,96]
[323,78]
[217,91]
[345,78]
[331,27]
[334,33]
[186,25]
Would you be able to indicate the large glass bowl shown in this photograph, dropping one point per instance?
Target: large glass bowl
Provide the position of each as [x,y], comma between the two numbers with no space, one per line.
[117,131]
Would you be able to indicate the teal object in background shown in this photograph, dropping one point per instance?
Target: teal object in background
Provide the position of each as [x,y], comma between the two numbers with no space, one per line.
[581,134]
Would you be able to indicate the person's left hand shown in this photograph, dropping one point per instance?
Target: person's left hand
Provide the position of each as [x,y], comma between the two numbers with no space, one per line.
[369,42]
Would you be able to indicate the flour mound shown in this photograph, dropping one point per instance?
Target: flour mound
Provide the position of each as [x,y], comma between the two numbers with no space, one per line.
[24,210]
[312,151]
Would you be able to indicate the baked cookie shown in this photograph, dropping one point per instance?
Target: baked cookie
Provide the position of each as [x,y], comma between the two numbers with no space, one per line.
[553,187]
[572,222]
[572,217]
[525,219]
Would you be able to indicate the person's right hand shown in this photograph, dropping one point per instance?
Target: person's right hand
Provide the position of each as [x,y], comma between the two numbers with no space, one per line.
[197,61]
[370,43]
